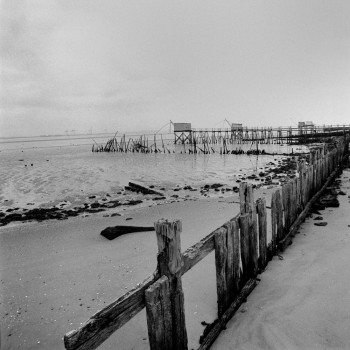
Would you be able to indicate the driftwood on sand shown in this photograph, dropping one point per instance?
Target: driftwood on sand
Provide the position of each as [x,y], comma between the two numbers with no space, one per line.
[116,231]
[144,190]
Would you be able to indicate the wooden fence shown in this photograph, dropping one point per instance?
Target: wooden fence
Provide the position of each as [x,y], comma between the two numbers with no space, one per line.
[242,250]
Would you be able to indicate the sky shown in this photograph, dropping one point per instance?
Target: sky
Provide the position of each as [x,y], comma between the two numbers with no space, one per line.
[127,65]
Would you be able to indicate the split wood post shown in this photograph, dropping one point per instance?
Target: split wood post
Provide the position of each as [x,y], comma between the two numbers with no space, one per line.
[244,224]
[262,224]
[295,199]
[273,224]
[276,219]
[297,193]
[221,256]
[246,198]
[227,262]
[302,184]
[234,258]
[291,204]
[247,206]
[159,320]
[286,197]
[170,261]
[279,216]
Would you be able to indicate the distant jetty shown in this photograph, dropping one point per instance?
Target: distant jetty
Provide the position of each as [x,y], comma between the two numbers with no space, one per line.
[224,141]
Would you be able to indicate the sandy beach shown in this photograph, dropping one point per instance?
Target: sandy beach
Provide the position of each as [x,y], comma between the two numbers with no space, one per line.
[56,274]
[57,270]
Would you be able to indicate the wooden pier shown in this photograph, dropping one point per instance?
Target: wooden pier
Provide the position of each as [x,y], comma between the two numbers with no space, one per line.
[243,238]
[223,141]
[264,135]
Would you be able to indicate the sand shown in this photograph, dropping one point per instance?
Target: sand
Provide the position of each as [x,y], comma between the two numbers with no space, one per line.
[56,274]
[302,301]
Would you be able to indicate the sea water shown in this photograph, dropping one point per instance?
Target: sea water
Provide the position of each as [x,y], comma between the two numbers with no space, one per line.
[49,169]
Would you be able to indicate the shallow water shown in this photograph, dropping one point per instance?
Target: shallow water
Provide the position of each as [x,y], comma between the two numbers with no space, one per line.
[48,170]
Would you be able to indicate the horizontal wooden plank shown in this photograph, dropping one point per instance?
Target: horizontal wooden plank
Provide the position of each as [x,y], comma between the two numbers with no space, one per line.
[200,250]
[101,325]
[197,252]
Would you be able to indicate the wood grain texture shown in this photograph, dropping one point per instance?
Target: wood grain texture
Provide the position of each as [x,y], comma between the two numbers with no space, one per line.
[279,215]
[244,225]
[170,262]
[233,258]
[220,265]
[262,230]
[158,310]
[246,198]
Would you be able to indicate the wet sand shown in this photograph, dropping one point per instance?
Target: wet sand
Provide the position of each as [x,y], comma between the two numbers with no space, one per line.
[302,301]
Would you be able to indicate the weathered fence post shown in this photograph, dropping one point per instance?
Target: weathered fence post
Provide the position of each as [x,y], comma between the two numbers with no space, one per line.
[246,198]
[227,260]
[234,258]
[170,262]
[159,320]
[276,219]
[262,224]
[286,197]
[279,208]
[244,224]
[221,257]
[249,233]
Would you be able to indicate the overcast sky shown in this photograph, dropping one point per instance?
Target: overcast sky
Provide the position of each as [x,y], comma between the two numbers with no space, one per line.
[134,65]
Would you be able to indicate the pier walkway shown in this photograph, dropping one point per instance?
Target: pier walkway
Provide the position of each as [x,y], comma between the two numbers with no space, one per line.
[290,135]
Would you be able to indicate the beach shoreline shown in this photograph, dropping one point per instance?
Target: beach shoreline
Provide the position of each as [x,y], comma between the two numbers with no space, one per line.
[56,274]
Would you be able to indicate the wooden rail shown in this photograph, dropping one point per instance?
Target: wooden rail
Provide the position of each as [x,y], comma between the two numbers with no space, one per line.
[241,251]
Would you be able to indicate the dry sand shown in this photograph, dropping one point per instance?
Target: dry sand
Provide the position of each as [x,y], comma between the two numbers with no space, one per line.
[302,301]
[56,274]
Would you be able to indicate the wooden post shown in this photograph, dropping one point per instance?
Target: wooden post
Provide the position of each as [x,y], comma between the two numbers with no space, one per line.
[233,259]
[227,262]
[159,320]
[246,198]
[253,246]
[295,195]
[244,224]
[247,206]
[262,224]
[221,269]
[170,262]
[273,223]
[279,217]
[286,204]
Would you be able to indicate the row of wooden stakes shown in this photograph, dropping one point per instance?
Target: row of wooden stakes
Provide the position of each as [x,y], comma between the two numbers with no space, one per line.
[142,145]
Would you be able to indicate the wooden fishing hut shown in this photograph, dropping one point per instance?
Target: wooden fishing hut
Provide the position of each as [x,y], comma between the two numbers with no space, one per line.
[182,132]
